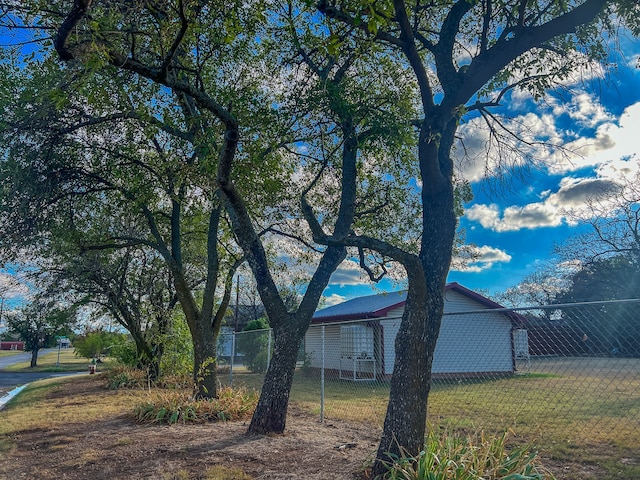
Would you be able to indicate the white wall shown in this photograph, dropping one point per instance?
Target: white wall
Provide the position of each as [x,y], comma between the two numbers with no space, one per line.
[468,343]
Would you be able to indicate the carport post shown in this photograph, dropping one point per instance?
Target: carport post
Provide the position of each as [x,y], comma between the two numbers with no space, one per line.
[233,354]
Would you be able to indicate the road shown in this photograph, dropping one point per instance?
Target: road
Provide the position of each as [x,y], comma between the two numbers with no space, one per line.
[10,380]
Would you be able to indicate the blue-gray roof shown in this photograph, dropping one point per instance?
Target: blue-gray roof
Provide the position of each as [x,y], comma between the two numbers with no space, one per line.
[371,306]
[377,306]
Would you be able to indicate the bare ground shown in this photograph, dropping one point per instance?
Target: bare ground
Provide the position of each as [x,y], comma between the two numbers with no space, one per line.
[117,448]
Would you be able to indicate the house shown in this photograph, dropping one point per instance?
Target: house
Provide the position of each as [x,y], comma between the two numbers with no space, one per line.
[359,335]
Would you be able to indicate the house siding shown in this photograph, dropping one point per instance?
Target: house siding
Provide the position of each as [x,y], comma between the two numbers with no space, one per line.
[313,346]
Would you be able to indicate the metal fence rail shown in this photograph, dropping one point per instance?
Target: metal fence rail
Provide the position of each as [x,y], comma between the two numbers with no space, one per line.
[561,369]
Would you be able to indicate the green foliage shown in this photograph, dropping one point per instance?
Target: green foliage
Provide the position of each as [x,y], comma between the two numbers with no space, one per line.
[253,343]
[171,407]
[97,343]
[615,327]
[125,352]
[39,322]
[177,358]
[451,457]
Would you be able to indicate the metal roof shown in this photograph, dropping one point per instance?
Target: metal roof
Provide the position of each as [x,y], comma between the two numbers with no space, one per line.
[371,306]
[377,306]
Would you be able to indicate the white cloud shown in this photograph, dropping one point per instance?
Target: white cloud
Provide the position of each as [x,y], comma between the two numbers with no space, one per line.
[583,108]
[611,142]
[571,199]
[514,218]
[595,137]
[333,299]
[348,273]
[11,288]
[476,259]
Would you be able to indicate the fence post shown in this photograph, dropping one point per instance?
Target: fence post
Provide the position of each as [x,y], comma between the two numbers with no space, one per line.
[322,380]
[233,354]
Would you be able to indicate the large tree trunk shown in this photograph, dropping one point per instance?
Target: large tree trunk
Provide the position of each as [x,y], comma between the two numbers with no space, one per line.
[271,412]
[405,421]
[204,366]
[288,330]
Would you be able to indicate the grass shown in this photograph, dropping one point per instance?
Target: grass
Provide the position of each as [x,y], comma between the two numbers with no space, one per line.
[44,405]
[582,410]
[178,406]
[574,417]
[9,353]
[474,457]
[48,362]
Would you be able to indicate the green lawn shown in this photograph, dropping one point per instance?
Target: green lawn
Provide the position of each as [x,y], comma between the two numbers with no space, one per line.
[584,410]
[9,353]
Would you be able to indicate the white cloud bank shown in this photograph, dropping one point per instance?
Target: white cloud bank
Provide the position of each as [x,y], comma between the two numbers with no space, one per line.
[612,151]
[541,139]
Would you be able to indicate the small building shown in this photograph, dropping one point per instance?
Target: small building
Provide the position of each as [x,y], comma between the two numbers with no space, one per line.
[359,336]
[12,345]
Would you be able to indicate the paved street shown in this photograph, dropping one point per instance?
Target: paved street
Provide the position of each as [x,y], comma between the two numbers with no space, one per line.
[10,380]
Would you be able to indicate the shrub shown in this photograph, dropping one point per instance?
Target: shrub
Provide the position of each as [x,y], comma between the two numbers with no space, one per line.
[177,358]
[451,457]
[125,352]
[96,343]
[178,406]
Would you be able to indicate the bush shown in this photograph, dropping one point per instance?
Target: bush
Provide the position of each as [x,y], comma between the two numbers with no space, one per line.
[450,457]
[125,352]
[177,358]
[178,406]
[97,343]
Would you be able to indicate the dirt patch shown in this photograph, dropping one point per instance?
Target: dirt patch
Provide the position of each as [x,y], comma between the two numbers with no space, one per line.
[117,448]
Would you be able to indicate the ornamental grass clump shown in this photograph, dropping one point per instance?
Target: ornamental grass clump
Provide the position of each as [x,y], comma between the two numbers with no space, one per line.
[171,407]
[125,377]
[451,457]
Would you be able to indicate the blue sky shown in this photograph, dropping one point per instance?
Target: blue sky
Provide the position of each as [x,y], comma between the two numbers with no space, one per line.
[516,225]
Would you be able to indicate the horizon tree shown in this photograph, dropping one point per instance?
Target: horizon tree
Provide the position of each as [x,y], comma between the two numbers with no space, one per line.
[38,322]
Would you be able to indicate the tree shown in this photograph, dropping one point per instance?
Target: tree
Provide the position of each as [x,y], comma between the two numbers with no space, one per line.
[613,327]
[466,56]
[100,171]
[527,45]
[189,59]
[537,289]
[39,322]
[132,287]
[93,344]
[612,219]
[253,343]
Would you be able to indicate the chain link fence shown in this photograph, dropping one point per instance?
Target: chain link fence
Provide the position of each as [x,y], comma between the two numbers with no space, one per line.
[568,370]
